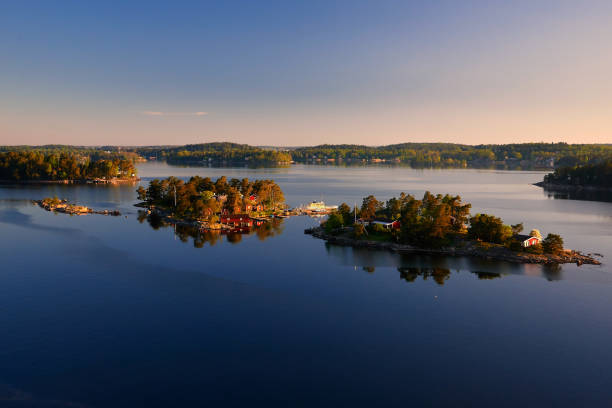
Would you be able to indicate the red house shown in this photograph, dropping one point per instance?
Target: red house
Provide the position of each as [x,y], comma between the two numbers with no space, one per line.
[387,224]
[237,220]
[527,240]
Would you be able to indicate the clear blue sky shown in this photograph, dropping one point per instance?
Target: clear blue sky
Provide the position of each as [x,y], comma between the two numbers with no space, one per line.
[296,73]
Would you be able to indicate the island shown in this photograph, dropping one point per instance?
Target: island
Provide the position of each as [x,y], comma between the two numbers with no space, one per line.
[72,167]
[441,225]
[235,204]
[63,206]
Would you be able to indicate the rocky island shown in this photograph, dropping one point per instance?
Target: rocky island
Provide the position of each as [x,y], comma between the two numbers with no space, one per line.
[57,205]
[441,225]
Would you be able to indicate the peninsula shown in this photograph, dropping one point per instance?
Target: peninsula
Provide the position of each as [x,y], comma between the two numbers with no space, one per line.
[441,225]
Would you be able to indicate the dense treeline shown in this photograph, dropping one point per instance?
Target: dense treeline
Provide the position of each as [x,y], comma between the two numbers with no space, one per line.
[431,222]
[525,155]
[456,155]
[216,153]
[596,175]
[202,198]
[34,165]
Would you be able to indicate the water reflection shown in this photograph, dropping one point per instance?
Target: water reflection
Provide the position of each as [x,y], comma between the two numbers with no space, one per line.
[438,268]
[487,275]
[268,229]
[439,275]
[584,195]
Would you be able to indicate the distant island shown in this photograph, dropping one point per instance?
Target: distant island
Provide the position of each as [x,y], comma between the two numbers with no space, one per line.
[441,225]
[417,155]
[46,167]
[595,176]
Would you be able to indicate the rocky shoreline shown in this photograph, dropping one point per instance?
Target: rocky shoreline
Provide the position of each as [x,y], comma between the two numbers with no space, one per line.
[469,248]
[78,181]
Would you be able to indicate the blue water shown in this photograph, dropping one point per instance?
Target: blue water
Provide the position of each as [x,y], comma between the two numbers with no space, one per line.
[102,311]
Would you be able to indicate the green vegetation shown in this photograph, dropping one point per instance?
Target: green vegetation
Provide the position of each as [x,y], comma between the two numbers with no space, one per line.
[201,198]
[526,155]
[434,221]
[542,155]
[216,153]
[552,244]
[594,175]
[35,165]
[487,228]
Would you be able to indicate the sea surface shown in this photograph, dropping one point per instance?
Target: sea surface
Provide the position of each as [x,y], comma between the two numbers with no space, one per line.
[100,311]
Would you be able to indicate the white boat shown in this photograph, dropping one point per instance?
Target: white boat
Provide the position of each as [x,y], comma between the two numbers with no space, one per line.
[319,206]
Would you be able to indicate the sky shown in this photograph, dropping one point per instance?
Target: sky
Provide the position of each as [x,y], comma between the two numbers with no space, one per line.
[297,73]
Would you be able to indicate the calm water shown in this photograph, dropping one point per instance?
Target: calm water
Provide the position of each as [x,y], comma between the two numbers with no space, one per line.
[108,312]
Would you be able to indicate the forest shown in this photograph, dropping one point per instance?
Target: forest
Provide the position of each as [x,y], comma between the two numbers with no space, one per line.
[215,153]
[457,155]
[33,165]
[418,155]
[201,198]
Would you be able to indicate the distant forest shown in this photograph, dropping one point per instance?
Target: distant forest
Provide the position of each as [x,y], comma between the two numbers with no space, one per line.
[44,165]
[215,153]
[534,155]
[418,155]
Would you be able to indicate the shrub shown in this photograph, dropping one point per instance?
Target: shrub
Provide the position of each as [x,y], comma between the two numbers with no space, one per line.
[552,244]
[535,249]
[334,221]
[358,230]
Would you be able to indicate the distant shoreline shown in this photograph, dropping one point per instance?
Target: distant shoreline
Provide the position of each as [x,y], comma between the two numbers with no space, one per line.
[571,187]
[85,181]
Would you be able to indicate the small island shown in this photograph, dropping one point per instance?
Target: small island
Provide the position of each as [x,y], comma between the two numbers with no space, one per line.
[237,204]
[58,205]
[441,225]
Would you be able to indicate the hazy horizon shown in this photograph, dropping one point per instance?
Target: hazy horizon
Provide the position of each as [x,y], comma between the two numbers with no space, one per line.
[301,74]
[281,146]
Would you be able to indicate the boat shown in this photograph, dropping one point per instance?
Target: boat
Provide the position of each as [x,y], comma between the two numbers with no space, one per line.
[320,207]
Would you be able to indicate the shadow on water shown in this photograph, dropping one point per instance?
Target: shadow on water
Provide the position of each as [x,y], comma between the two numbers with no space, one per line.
[437,268]
[582,195]
[199,237]
[438,275]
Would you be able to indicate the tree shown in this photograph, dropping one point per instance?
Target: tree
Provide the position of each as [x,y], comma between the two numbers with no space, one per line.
[334,221]
[142,193]
[358,230]
[369,207]
[552,244]
[517,228]
[345,211]
[489,228]
[536,233]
